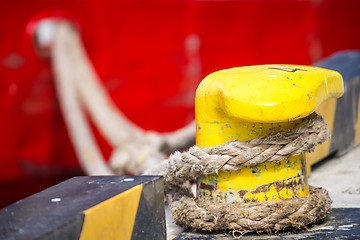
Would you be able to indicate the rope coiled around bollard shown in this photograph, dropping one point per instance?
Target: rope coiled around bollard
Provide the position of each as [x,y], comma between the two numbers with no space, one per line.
[296,213]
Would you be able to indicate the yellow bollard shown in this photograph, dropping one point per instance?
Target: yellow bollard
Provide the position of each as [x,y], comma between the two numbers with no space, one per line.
[250,102]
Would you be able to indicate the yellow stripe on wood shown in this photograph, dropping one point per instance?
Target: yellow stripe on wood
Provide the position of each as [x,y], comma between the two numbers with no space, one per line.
[327,111]
[357,128]
[113,218]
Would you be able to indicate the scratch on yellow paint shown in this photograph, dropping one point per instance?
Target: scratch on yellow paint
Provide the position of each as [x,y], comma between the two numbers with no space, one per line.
[273,195]
[113,218]
[249,178]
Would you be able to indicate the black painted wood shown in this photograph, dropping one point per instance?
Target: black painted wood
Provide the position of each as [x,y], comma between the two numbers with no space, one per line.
[347,63]
[57,212]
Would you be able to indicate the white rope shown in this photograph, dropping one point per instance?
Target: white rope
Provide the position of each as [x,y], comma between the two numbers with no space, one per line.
[135,150]
[86,149]
[103,111]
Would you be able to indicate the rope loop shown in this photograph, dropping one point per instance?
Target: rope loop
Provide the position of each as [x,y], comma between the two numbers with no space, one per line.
[210,215]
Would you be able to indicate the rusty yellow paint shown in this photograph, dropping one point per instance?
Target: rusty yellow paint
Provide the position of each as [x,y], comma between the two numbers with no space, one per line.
[250,102]
[327,111]
[216,133]
[357,129]
[243,185]
[113,218]
[230,184]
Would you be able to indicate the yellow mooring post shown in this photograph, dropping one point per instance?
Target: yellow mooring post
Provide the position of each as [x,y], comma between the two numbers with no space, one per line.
[250,102]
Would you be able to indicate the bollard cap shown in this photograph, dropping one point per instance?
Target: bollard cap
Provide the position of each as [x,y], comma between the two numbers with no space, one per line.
[270,93]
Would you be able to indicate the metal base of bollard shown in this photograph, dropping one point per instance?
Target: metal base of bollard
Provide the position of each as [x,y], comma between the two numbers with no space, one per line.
[342,223]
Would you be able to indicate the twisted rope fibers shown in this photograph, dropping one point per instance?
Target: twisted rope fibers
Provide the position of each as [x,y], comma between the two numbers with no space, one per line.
[210,215]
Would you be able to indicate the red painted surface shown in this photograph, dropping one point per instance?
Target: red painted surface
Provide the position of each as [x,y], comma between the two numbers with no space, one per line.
[150,55]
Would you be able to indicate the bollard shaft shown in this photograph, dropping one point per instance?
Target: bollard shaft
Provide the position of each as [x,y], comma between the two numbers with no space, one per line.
[251,102]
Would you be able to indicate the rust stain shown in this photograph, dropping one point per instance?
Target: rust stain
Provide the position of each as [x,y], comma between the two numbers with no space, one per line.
[242,193]
[292,184]
[310,95]
[207,187]
[296,86]
[303,169]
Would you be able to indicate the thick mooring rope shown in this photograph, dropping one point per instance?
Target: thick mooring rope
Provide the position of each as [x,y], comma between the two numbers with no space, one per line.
[297,213]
